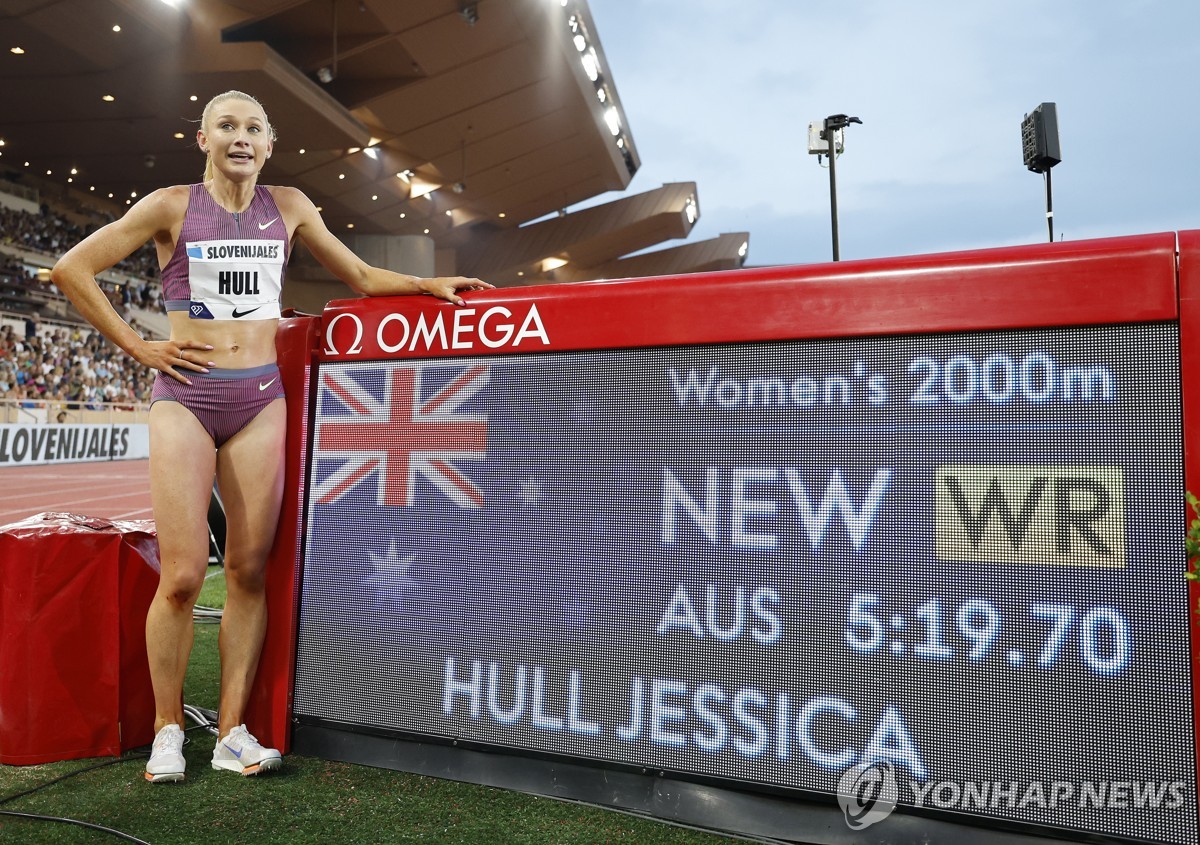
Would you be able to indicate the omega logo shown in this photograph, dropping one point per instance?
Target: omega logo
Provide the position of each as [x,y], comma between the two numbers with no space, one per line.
[462,328]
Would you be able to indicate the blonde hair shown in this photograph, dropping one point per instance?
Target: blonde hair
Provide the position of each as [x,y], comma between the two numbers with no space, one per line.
[206,116]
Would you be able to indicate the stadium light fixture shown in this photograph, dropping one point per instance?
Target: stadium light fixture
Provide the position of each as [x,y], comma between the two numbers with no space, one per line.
[421,188]
[591,64]
[613,119]
[1041,151]
[690,209]
[826,138]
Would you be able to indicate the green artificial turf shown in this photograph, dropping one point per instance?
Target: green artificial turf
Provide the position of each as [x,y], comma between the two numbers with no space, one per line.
[309,802]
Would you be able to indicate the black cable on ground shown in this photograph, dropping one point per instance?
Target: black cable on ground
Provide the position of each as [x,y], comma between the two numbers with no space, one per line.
[127,837]
[79,771]
[136,754]
[205,719]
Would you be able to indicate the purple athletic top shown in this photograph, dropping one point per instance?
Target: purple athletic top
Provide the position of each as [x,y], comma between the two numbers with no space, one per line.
[227,266]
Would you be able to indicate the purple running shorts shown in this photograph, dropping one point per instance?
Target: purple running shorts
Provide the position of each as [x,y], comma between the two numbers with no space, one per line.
[224,401]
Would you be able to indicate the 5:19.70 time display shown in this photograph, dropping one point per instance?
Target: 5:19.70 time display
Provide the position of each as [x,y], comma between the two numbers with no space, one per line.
[1045,635]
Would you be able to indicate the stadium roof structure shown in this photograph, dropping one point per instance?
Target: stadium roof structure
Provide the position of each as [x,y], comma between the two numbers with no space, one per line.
[478,124]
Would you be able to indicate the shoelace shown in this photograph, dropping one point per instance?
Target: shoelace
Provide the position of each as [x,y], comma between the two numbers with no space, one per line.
[165,740]
[243,738]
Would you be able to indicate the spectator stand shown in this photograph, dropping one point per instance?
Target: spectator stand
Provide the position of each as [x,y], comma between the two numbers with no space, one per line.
[54,368]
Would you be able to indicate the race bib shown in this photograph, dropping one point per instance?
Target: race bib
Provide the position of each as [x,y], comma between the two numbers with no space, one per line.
[235,279]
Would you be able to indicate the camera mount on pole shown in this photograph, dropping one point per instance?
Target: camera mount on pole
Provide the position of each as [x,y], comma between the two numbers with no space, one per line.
[826,139]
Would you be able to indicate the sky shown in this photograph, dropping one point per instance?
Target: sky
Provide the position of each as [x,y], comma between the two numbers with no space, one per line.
[721,93]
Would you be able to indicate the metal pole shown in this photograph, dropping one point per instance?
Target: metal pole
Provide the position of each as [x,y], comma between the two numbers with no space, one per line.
[831,137]
[1049,207]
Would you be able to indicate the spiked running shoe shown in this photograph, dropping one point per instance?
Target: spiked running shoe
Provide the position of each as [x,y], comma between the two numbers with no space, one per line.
[238,751]
[166,761]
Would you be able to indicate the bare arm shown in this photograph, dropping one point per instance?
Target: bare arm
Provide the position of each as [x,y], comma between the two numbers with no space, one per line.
[338,259]
[75,274]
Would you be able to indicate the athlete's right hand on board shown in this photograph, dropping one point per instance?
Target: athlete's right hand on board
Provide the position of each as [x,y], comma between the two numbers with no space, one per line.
[166,355]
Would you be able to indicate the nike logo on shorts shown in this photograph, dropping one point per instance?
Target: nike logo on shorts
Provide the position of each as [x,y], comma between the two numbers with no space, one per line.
[262,226]
[264,387]
[237,313]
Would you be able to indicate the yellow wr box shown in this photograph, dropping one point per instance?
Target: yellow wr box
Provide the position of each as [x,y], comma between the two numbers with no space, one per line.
[1016,513]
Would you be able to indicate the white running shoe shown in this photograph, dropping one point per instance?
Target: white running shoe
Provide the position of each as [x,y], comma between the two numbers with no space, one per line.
[240,752]
[166,761]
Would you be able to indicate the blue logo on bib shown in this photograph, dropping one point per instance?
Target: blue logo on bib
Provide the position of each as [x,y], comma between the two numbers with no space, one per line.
[199,311]
[195,252]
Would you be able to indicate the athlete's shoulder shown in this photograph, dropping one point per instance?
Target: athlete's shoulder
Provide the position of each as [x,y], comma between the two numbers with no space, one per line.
[288,198]
[160,210]
[294,204]
[172,200]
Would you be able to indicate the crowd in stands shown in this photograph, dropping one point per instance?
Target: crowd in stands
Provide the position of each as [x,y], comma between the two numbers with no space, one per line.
[76,367]
[54,234]
[68,364]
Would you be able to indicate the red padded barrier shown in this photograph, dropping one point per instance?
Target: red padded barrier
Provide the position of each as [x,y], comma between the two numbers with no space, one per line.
[74,681]
[269,710]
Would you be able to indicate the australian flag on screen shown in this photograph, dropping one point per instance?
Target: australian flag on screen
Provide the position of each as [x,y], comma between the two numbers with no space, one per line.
[385,427]
[476,491]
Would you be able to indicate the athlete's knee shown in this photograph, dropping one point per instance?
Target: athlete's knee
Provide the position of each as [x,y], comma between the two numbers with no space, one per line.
[246,573]
[181,589]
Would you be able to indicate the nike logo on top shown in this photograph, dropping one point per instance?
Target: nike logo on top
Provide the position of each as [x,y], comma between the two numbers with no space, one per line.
[264,387]
[262,226]
[237,313]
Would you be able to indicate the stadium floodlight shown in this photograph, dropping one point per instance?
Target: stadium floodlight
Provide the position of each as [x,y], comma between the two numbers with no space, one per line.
[613,118]
[1040,149]
[591,64]
[1039,138]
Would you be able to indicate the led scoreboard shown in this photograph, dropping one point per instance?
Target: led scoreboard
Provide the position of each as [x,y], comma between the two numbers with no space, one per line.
[842,522]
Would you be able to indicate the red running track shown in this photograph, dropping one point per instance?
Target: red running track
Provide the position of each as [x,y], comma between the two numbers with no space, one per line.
[107,489]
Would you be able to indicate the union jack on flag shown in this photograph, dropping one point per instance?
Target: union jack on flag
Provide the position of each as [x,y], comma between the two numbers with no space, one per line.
[399,436]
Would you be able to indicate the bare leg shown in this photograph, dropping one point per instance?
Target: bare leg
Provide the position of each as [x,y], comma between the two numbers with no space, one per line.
[250,476]
[182,464]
